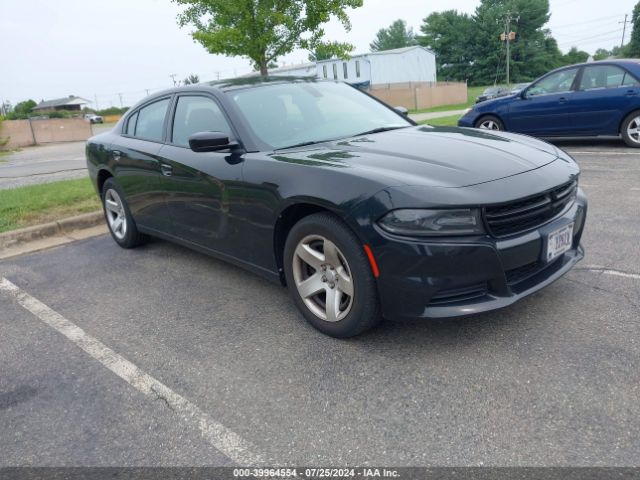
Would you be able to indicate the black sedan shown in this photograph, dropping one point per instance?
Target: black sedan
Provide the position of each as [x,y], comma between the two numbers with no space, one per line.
[361,213]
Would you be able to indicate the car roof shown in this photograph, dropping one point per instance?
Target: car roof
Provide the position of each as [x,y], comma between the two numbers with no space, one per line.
[612,61]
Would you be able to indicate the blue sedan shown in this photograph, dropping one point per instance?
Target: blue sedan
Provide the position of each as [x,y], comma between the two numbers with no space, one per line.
[590,99]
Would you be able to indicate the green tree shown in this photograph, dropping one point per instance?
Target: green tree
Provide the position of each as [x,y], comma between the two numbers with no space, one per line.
[261,30]
[533,52]
[191,79]
[397,35]
[24,108]
[632,49]
[327,50]
[574,56]
[449,35]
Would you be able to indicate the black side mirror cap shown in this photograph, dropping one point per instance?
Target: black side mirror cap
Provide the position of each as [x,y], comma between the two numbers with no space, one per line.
[402,110]
[210,142]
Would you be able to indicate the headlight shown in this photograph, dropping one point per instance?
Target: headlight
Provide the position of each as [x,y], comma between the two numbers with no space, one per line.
[424,223]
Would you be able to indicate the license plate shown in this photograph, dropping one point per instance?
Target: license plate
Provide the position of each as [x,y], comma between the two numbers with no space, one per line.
[559,241]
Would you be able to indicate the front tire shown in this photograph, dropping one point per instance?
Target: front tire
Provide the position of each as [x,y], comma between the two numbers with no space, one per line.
[489,122]
[118,216]
[630,129]
[329,277]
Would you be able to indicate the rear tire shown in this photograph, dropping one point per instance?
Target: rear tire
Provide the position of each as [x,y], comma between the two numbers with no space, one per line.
[118,216]
[630,129]
[489,122]
[329,276]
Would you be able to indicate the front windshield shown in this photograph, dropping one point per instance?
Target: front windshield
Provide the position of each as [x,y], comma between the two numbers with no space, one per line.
[285,115]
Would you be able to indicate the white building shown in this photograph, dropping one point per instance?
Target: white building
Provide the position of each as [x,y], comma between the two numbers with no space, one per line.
[409,64]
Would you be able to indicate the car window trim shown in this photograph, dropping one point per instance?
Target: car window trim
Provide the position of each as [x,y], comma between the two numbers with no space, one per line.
[172,117]
[123,131]
[625,72]
[572,88]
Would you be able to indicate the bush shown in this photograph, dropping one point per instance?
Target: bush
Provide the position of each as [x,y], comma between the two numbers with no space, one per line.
[112,111]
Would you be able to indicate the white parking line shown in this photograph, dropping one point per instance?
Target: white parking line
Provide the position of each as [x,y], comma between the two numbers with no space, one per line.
[610,271]
[223,439]
[609,153]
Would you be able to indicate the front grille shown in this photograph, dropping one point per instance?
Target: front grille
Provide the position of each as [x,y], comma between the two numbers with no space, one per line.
[516,275]
[454,295]
[529,213]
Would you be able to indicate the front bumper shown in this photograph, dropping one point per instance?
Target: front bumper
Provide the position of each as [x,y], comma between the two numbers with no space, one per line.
[453,277]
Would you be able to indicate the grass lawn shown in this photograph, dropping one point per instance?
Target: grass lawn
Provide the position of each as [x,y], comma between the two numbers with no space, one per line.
[472,93]
[24,206]
[450,121]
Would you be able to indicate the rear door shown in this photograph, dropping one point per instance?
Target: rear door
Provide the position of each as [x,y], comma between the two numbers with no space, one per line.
[137,164]
[201,185]
[603,97]
[543,109]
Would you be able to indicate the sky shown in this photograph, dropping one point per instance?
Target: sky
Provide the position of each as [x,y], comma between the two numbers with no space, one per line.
[114,52]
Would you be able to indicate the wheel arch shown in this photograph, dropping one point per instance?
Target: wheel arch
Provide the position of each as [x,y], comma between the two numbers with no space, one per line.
[625,116]
[103,176]
[490,114]
[288,217]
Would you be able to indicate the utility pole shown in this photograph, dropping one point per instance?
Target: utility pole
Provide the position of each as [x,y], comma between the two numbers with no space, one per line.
[121,104]
[507,36]
[147,90]
[95,97]
[173,77]
[624,29]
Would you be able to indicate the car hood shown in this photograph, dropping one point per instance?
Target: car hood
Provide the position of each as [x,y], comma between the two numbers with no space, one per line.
[430,156]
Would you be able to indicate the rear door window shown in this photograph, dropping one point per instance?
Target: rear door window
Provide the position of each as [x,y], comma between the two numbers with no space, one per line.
[605,76]
[150,122]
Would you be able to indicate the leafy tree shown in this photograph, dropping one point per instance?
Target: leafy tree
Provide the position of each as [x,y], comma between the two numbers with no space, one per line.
[261,30]
[24,108]
[574,56]
[191,80]
[533,52]
[327,50]
[397,35]
[603,53]
[449,35]
[469,47]
[632,49]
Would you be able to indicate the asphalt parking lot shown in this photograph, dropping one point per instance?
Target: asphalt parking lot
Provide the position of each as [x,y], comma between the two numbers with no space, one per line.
[185,360]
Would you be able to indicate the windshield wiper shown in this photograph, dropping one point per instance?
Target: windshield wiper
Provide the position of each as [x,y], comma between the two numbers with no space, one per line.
[380,130]
[305,144]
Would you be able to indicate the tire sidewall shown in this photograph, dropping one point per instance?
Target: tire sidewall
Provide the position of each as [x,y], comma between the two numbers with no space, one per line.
[623,130]
[364,310]
[129,239]
[490,117]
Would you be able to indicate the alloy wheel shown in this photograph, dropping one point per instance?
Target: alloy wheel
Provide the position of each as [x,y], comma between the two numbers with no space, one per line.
[323,278]
[633,129]
[489,125]
[116,216]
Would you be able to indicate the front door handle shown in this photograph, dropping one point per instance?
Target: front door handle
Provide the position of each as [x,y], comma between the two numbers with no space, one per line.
[167,170]
[116,154]
[562,100]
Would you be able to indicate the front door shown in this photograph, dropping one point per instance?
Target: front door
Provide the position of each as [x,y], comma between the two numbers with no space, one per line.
[200,184]
[543,108]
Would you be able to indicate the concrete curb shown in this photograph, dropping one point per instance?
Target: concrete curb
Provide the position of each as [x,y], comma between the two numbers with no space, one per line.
[53,229]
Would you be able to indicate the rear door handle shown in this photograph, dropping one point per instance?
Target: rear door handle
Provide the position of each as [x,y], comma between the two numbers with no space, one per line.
[167,170]
[562,100]
[631,93]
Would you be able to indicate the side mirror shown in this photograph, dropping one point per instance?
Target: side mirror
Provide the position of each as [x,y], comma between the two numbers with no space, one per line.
[210,142]
[402,110]
[523,94]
